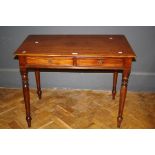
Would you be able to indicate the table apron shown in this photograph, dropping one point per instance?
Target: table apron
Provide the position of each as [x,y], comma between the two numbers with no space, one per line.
[75,63]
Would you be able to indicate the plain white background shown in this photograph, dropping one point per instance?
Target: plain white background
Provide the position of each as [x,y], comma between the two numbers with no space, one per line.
[77,13]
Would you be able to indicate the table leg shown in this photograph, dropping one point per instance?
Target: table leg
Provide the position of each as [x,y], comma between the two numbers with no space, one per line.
[24,75]
[123,92]
[115,75]
[37,75]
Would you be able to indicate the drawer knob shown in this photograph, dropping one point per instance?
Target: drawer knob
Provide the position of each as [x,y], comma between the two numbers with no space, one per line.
[100,61]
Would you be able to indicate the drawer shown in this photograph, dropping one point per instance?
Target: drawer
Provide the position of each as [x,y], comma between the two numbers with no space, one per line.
[100,62]
[49,61]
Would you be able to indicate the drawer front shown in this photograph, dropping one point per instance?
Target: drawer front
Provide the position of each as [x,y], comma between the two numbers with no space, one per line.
[49,61]
[100,62]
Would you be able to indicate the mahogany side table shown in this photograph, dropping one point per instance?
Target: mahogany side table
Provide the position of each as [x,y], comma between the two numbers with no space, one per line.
[74,52]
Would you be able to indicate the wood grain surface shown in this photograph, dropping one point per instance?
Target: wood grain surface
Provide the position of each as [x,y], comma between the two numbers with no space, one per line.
[81,45]
[77,109]
[104,52]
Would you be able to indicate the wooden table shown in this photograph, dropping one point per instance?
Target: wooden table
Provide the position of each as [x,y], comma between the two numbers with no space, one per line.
[84,52]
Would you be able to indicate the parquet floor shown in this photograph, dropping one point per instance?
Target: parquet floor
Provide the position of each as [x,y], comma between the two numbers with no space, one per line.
[86,109]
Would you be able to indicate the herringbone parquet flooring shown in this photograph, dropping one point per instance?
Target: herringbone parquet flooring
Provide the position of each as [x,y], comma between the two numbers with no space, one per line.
[61,108]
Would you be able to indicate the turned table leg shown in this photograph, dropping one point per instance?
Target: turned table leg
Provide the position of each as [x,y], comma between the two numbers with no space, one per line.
[37,75]
[123,92]
[115,75]
[24,75]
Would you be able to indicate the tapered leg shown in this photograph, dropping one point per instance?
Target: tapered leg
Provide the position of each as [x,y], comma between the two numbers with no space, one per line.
[123,92]
[37,75]
[24,75]
[114,84]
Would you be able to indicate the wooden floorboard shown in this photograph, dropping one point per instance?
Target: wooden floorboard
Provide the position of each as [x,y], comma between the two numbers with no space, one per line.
[76,109]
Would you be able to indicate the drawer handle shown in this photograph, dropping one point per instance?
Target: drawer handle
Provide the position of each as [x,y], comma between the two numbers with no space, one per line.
[50,61]
[100,61]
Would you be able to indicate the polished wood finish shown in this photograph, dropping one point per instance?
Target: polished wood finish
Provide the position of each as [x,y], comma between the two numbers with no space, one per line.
[100,52]
[47,61]
[115,76]
[26,94]
[84,45]
[100,62]
[37,75]
[123,91]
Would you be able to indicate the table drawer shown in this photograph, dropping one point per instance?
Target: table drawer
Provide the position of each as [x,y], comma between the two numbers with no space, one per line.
[101,62]
[50,61]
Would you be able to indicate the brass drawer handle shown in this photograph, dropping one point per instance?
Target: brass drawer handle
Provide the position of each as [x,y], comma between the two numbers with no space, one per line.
[50,61]
[100,61]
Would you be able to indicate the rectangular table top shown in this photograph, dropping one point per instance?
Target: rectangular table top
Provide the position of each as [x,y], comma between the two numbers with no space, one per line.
[80,45]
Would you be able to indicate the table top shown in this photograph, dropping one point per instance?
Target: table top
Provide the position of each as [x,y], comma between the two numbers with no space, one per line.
[80,45]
